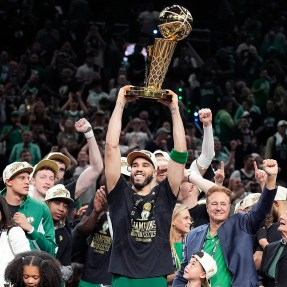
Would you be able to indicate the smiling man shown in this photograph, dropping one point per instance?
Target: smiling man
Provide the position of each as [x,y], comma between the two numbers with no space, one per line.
[230,240]
[43,178]
[31,215]
[141,214]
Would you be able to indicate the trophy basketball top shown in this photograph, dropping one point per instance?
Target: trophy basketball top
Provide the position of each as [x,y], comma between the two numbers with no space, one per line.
[175,22]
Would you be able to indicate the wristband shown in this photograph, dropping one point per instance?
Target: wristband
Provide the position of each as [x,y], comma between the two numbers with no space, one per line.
[89,133]
[179,157]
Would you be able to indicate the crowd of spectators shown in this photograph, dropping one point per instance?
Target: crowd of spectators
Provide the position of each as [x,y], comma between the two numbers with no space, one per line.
[61,61]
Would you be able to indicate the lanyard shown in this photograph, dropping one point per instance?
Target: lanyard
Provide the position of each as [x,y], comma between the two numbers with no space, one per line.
[213,249]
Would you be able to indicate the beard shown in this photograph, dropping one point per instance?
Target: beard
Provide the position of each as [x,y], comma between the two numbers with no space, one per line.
[140,186]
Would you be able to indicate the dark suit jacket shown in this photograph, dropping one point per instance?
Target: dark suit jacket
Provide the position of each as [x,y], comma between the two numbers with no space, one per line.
[236,237]
[269,254]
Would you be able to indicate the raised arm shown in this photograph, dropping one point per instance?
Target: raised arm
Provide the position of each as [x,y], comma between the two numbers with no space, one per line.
[91,174]
[112,152]
[198,180]
[207,154]
[178,155]
[260,210]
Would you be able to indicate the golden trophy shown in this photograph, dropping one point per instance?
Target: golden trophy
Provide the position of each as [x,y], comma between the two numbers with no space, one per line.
[175,23]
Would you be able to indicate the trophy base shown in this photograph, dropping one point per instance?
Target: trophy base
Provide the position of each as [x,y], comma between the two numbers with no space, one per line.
[149,93]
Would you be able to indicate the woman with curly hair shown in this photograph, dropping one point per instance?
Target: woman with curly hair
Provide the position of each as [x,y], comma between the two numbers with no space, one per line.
[33,269]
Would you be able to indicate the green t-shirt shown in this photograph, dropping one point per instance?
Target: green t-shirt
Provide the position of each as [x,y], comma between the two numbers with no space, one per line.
[122,281]
[83,283]
[14,137]
[223,124]
[223,276]
[178,249]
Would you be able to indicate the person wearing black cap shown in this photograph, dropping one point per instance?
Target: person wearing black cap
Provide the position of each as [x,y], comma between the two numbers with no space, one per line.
[141,214]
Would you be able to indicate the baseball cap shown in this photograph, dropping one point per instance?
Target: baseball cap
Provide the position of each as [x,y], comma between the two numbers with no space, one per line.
[144,154]
[59,156]
[282,123]
[162,131]
[238,205]
[162,153]
[58,191]
[250,200]
[16,167]
[45,163]
[125,168]
[208,264]
[281,193]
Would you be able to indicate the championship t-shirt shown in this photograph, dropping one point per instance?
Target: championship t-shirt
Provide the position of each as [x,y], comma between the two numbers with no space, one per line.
[141,227]
[98,253]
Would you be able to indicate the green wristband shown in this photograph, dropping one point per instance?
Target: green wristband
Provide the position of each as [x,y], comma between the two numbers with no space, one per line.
[179,157]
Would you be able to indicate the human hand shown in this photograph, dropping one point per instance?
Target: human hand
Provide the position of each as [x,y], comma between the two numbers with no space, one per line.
[22,221]
[82,210]
[123,98]
[173,103]
[205,116]
[100,200]
[82,126]
[219,175]
[260,175]
[270,166]
[64,150]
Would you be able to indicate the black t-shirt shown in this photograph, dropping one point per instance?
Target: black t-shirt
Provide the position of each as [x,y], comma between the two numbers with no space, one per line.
[96,264]
[272,233]
[13,209]
[64,242]
[141,226]
[199,215]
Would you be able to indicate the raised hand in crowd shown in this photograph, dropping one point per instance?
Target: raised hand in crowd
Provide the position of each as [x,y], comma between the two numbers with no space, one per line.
[260,175]
[219,175]
[100,200]
[205,116]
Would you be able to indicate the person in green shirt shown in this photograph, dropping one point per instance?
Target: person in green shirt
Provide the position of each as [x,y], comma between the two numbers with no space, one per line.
[26,143]
[31,215]
[12,133]
[223,122]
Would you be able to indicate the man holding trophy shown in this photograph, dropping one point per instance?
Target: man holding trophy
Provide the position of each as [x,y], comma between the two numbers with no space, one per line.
[141,214]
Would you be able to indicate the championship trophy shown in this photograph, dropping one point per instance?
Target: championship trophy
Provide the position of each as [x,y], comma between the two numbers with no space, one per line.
[175,23]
